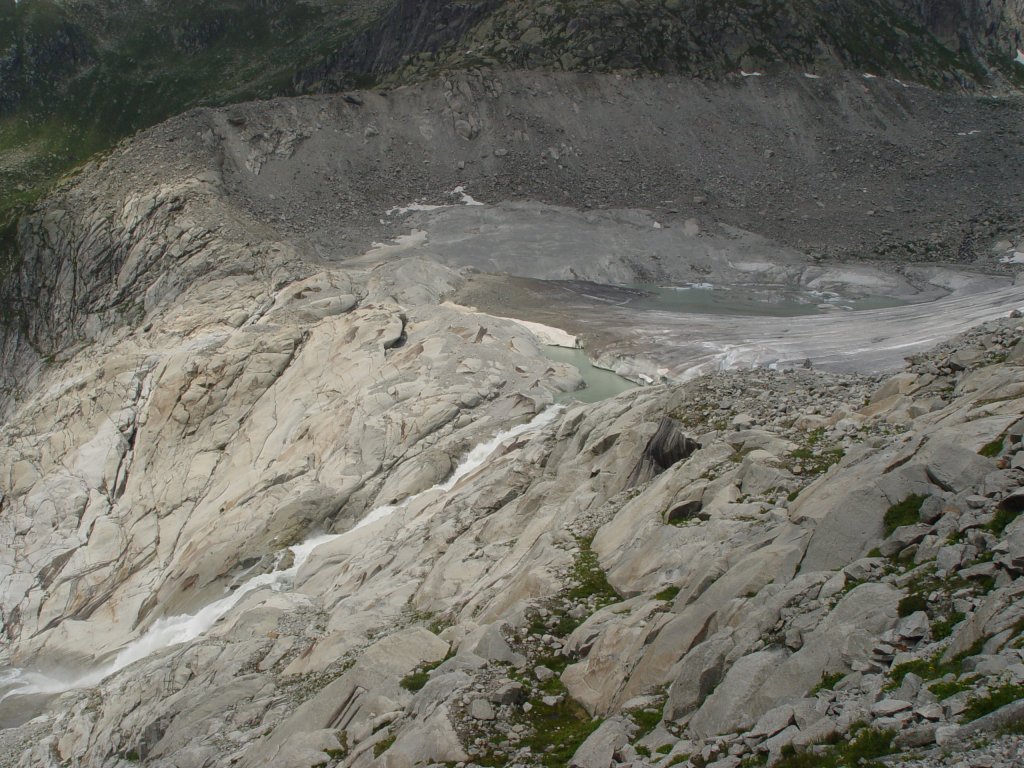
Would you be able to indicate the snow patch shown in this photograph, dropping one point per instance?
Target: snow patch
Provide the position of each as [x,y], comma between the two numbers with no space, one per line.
[810,76]
[548,334]
[411,208]
[464,196]
[751,74]
[459,192]
[1020,56]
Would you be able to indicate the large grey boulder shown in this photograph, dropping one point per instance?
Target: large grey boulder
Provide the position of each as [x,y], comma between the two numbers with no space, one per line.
[730,707]
[952,466]
[847,635]
[353,701]
[599,747]
[1001,610]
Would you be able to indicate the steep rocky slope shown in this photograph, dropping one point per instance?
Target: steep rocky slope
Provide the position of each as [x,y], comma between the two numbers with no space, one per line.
[231,532]
[271,494]
[953,44]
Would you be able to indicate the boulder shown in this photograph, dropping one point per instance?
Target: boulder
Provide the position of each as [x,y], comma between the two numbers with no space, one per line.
[953,467]
[903,537]
[492,646]
[1001,610]
[481,709]
[600,746]
[731,706]
[847,636]
[847,513]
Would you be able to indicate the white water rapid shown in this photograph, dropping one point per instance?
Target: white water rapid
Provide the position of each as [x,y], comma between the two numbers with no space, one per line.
[172,630]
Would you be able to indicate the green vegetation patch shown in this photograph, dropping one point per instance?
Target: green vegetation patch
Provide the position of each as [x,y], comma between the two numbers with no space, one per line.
[912,604]
[668,593]
[943,628]
[1003,517]
[865,747]
[992,449]
[906,512]
[75,83]
[952,687]
[815,461]
[383,746]
[554,732]
[993,700]
[415,680]
[932,667]
[827,682]
[646,720]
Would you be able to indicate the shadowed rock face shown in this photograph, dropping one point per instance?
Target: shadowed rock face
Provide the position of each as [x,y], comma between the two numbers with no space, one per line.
[939,43]
[668,446]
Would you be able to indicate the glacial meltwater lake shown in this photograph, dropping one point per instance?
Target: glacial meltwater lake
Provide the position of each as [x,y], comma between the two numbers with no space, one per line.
[601,383]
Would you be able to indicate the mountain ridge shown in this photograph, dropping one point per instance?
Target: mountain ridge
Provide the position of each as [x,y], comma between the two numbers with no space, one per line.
[76,77]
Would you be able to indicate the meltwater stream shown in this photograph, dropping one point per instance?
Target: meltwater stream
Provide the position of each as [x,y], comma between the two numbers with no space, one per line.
[172,630]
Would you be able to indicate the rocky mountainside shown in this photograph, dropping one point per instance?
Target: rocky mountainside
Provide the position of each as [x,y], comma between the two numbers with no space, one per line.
[78,75]
[243,521]
[273,493]
[952,44]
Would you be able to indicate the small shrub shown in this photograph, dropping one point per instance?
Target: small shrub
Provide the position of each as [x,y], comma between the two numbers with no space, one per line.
[927,669]
[558,731]
[414,681]
[863,749]
[1002,518]
[943,628]
[912,604]
[906,512]
[646,720]
[1013,729]
[383,746]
